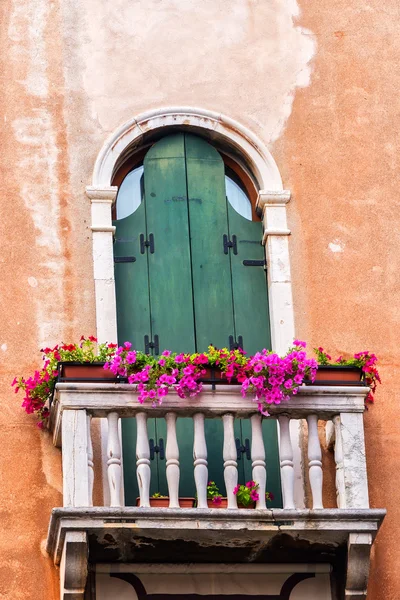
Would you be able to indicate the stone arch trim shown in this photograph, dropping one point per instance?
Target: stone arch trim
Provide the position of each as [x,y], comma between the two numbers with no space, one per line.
[212,124]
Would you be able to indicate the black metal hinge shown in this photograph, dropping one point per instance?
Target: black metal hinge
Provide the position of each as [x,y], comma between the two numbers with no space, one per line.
[235,345]
[153,345]
[146,243]
[229,244]
[240,449]
[124,259]
[159,449]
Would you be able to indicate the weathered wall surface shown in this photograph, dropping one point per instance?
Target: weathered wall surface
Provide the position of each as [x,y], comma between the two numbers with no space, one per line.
[320,88]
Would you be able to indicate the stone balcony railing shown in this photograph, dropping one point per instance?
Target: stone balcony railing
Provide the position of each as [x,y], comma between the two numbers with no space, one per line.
[116,532]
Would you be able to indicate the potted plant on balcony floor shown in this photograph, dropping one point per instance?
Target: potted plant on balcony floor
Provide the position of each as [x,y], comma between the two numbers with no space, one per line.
[214,498]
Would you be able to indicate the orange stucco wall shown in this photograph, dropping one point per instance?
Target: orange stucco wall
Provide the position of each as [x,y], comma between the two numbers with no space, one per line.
[318,83]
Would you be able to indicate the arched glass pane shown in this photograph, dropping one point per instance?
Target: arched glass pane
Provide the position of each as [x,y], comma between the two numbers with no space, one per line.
[130,193]
[237,198]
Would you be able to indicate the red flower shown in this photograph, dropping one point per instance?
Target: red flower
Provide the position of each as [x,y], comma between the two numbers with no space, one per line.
[92,338]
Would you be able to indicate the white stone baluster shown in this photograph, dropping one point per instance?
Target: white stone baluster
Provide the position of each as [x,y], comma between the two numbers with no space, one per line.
[230,463]
[315,461]
[258,458]
[114,470]
[286,458]
[172,460]
[143,459]
[75,458]
[90,460]
[200,460]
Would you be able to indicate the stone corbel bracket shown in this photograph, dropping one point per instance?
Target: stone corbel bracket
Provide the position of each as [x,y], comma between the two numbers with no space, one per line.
[358,560]
[74,566]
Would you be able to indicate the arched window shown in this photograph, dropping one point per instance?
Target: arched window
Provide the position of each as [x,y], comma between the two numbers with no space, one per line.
[188,265]
[188,252]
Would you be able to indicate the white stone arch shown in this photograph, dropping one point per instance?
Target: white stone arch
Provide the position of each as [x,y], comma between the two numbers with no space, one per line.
[214,126]
[272,200]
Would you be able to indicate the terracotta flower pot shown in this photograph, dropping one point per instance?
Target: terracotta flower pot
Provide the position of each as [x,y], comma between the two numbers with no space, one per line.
[337,375]
[251,505]
[222,504]
[74,371]
[164,502]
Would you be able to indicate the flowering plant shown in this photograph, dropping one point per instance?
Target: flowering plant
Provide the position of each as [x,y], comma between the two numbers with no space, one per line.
[158,495]
[39,387]
[213,493]
[247,494]
[366,361]
[267,376]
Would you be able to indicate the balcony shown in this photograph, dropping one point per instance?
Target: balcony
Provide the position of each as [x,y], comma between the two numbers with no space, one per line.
[342,536]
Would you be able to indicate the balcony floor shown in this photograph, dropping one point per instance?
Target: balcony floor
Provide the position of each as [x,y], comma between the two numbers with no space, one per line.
[210,535]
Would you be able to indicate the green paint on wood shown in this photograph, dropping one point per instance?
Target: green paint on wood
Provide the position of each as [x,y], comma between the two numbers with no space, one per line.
[208,223]
[170,277]
[131,280]
[249,284]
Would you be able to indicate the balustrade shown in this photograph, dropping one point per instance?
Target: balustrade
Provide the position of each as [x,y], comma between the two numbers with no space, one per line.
[76,405]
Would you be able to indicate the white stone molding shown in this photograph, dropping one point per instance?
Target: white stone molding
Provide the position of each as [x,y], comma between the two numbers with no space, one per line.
[215,125]
[102,198]
[74,566]
[272,198]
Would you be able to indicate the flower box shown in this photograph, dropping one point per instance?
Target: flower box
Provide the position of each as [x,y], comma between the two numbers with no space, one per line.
[163,502]
[76,371]
[215,376]
[337,375]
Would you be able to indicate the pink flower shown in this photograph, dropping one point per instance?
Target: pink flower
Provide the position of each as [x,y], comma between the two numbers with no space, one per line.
[217,500]
[236,489]
[166,353]
[254,496]
[161,362]
[250,484]
[299,343]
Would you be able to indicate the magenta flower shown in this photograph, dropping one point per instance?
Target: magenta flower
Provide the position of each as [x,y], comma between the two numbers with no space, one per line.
[254,496]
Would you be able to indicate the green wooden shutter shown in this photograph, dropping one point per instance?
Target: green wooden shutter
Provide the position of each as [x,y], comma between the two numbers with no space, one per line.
[212,286]
[170,279]
[131,280]
[249,284]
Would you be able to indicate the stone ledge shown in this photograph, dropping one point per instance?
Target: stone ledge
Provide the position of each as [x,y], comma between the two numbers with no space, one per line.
[126,529]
